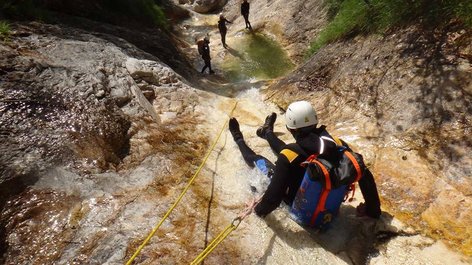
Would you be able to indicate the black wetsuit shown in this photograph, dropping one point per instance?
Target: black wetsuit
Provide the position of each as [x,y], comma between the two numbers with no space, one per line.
[204,50]
[245,13]
[287,174]
[223,30]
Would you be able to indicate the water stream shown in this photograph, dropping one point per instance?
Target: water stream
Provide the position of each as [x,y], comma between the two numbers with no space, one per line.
[101,216]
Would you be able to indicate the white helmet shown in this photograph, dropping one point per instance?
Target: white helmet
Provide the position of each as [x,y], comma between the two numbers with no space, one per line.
[300,114]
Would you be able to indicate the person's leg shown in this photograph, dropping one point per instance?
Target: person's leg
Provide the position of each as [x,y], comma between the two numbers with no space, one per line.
[266,131]
[223,38]
[250,157]
[275,143]
[254,160]
[370,194]
[248,24]
[248,154]
[204,67]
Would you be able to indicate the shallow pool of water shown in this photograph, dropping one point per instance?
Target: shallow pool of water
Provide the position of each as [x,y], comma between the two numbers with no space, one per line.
[255,55]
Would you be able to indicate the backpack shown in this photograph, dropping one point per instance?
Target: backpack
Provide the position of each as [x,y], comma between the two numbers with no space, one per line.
[325,186]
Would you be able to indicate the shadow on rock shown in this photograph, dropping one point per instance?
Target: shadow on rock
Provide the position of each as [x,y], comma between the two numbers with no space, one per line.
[438,55]
[352,239]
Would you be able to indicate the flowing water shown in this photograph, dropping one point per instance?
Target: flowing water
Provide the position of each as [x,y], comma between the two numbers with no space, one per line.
[101,216]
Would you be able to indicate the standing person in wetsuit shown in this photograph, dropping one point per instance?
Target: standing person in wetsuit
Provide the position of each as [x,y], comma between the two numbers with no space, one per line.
[223,29]
[245,13]
[204,51]
[287,173]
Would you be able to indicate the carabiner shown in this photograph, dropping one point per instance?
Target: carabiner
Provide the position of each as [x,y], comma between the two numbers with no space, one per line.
[236,221]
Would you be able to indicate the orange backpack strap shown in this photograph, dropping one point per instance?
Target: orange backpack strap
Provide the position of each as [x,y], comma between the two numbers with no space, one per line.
[309,160]
[324,194]
[356,165]
[352,187]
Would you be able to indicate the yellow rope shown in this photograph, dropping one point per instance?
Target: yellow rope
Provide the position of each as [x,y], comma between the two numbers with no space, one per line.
[230,228]
[182,194]
[218,239]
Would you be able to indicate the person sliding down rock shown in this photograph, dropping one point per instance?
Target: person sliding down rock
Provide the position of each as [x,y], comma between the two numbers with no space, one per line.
[287,173]
[204,51]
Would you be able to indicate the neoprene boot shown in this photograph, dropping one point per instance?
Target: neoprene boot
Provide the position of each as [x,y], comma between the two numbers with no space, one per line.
[268,125]
[234,129]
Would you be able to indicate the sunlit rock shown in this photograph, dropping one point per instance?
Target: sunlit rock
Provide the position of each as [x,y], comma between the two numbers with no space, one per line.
[415,100]
[205,6]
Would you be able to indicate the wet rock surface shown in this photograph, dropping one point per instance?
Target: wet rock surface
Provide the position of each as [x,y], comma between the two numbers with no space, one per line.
[93,195]
[294,24]
[84,149]
[53,112]
[405,101]
[204,6]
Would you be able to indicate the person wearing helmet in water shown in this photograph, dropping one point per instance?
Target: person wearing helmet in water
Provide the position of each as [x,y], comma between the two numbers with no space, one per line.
[223,29]
[204,51]
[287,173]
[245,13]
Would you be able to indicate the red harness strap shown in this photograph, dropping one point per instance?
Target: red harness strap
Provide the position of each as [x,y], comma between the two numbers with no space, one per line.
[352,187]
[309,160]
[324,194]
[356,165]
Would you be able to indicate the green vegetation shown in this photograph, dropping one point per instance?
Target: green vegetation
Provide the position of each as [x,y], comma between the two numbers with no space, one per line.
[351,17]
[120,12]
[4,30]
[145,11]
[27,9]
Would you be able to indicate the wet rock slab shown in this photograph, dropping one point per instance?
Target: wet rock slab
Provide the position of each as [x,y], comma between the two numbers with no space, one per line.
[403,100]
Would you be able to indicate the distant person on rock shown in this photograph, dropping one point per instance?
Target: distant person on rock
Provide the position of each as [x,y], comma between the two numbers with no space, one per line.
[223,29]
[245,13]
[204,51]
[288,179]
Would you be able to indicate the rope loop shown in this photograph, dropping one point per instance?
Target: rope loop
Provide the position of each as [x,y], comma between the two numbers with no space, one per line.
[236,221]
